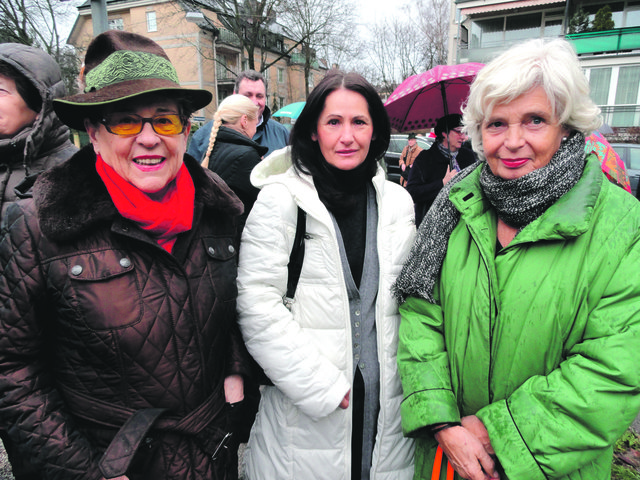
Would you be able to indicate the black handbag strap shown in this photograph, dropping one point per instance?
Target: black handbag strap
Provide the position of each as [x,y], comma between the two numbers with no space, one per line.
[297,255]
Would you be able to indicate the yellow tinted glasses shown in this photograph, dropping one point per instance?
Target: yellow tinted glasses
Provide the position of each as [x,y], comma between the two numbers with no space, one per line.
[126,124]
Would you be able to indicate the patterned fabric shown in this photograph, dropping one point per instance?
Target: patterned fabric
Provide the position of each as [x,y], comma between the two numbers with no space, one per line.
[125,65]
[517,202]
[612,165]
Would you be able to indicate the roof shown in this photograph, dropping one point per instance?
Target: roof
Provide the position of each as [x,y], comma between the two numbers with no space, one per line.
[497,7]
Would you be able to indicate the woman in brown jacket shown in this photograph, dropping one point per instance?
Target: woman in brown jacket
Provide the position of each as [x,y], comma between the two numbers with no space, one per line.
[119,352]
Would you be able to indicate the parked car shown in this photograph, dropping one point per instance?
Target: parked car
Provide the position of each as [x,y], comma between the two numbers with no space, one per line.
[630,155]
[392,155]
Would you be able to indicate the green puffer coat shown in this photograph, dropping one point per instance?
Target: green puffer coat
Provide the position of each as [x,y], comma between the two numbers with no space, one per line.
[540,340]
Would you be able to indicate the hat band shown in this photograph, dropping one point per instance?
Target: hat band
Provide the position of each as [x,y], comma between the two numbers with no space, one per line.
[125,65]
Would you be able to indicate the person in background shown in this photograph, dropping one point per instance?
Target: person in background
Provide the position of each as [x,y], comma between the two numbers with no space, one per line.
[434,167]
[407,157]
[333,409]
[120,355]
[32,138]
[231,153]
[521,297]
[269,132]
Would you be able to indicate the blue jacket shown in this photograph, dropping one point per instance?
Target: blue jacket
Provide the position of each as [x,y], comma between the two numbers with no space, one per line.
[270,134]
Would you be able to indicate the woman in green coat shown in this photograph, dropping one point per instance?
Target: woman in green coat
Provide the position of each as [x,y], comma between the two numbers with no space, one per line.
[520,338]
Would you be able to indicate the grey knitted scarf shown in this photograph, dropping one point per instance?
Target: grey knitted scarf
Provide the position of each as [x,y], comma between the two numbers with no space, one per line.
[517,202]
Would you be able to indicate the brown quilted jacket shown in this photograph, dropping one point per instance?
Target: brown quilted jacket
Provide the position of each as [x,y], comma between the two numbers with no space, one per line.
[95,317]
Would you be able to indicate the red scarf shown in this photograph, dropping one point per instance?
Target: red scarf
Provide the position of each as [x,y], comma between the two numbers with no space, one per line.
[163,219]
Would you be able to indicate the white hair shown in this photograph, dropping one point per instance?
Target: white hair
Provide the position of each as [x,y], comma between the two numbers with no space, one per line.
[230,110]
[552,65]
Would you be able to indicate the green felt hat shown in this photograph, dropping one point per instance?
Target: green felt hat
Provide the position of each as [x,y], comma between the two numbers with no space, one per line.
[119,66]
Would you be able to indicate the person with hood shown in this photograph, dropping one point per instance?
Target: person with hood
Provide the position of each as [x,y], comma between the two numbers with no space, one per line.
[520,299]
[32,138]
[120,355]
[434,167]
[333,409]
[269,132]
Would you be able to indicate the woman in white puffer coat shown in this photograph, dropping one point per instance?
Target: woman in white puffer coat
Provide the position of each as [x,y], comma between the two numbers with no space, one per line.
[334,410]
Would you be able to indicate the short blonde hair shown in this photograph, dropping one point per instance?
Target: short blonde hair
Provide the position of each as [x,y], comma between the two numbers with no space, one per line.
[230,110]
[552,65]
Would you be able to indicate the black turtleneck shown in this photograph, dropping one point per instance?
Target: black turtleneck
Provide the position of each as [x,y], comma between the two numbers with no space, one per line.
[344,193]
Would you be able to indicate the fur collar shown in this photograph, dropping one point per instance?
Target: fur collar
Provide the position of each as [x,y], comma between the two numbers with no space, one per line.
[71,198]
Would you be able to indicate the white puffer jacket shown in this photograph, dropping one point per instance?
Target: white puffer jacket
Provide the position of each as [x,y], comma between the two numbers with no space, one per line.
[300,432]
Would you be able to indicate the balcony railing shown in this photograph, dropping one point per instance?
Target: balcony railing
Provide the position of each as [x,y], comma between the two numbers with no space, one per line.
[621,115]
[298,58]
[226,74]
[616,40]
[484,54]
[228,37]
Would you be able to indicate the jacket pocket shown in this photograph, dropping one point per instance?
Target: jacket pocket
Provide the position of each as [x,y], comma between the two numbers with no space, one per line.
[222,266]
[105,288]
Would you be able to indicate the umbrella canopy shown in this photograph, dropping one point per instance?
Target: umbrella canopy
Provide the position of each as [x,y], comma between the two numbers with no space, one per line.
[612,164]
[292,110]
[422,99]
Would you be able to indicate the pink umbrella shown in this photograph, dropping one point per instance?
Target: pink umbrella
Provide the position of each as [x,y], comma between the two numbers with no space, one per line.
[422,99]
[612,164]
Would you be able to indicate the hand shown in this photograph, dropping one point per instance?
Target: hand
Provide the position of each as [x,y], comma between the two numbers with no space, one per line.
[466,454]
[477,428]
[344,404]
[233,389]
[448,176]
[123,477]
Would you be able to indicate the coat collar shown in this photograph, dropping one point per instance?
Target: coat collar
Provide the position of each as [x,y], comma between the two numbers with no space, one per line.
[569,217]
[71,198]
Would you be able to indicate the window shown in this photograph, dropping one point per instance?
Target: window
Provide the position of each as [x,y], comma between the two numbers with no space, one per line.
[632,16]
[522,27]
[506,30]
[487,33]
[280,75]
[599,80]
[281,101]
[626,94]
[116,24]
[152,26]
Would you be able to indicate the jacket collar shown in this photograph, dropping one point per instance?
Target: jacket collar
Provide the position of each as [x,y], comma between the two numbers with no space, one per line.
[569,217]
[71,198]
[229,135]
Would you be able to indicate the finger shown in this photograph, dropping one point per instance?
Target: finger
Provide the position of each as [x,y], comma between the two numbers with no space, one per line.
[488,466]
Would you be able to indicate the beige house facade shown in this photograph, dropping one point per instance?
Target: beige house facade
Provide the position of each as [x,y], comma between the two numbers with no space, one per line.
[204,57]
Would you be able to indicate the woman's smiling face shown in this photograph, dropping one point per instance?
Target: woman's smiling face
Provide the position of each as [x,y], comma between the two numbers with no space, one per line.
[344,130]
[148,160]
[522,135]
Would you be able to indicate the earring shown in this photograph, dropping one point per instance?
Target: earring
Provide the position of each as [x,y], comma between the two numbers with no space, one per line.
[564,139]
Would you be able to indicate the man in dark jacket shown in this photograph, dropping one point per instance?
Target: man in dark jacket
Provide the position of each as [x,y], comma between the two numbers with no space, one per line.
[433,168]
[32,139]
[270,134]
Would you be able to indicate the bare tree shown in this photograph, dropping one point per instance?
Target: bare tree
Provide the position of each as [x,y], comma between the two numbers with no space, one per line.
[394,51]
[40,23]
[252,22]
[433,22]
[317,25]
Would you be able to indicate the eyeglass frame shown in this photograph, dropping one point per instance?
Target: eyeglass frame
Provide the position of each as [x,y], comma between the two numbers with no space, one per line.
[184,120]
